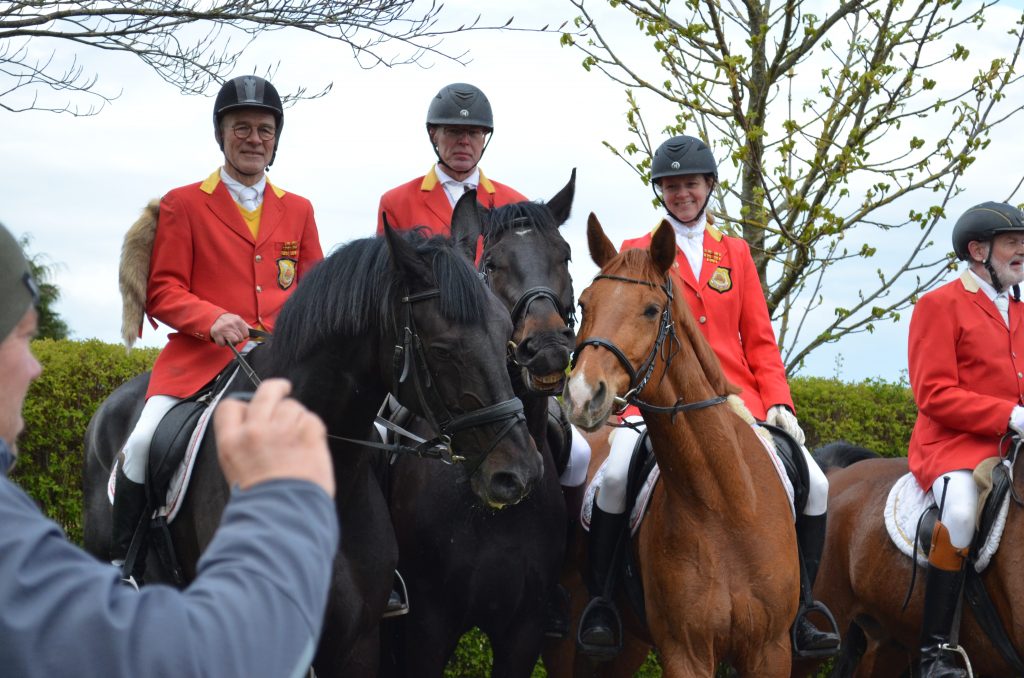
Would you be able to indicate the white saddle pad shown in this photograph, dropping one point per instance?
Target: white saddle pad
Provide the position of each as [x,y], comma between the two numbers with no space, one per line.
[180,479]
[903,508]
[644,497]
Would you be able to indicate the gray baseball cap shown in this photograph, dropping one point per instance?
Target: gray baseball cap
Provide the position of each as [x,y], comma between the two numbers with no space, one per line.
[18,290]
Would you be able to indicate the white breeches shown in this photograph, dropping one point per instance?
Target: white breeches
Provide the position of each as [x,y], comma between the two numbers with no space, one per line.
[136,449]
[961,505]
[575,473]
[612,497]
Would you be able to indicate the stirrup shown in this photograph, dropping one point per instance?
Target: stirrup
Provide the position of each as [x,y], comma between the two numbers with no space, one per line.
[600,653]
[396,608]
[805,608]
[959,649]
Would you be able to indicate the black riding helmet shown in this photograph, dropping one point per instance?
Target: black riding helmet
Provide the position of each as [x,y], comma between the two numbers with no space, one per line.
[460,104]
[982,223]
[248,91]
[680,156]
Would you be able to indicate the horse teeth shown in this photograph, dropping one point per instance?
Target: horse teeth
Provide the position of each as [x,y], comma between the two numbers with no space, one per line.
[549,380]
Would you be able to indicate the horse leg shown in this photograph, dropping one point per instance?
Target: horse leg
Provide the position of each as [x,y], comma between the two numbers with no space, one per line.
[516,648]
[773,659]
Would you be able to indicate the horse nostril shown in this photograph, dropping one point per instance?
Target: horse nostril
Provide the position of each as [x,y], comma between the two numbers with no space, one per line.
[569,335]
[507,487]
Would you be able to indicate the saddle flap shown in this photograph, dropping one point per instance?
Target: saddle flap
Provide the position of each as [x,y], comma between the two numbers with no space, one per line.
[168,446]
[793,462]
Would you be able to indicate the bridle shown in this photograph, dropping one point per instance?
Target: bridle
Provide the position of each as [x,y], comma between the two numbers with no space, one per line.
[668,350]
[410,366]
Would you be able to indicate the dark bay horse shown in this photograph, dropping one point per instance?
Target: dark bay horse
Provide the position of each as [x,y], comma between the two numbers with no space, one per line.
[864,578]
[399,312]
[717,551]
[466,562]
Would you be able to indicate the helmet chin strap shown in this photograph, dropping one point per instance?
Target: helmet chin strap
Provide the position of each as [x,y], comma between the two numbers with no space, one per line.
[703,207]
[996,282]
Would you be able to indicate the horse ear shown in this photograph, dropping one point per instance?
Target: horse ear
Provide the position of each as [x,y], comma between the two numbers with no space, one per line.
[601,248]
[561,204]
[403,256]
[663,246]
[467,224]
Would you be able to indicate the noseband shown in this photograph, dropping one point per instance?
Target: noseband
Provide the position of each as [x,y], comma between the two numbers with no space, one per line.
[665,331]
[410,364]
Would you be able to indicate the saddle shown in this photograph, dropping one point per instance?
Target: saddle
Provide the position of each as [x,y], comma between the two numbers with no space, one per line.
[181,431]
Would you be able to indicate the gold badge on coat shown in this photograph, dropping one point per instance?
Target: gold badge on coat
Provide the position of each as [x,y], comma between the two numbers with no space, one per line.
[721,280]
[285,272]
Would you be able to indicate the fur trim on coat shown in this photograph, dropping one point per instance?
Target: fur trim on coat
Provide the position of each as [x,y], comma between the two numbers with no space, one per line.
[133,272]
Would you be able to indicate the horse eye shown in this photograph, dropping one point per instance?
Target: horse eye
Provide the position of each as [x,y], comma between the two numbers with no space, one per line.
[489,265]
[651,311]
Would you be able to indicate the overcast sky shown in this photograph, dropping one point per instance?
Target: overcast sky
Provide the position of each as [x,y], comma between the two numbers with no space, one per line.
[76,184]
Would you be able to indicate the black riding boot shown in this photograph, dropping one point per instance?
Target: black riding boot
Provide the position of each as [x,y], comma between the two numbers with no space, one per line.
[810,538]
[600,632]
[941,595]
[129,505]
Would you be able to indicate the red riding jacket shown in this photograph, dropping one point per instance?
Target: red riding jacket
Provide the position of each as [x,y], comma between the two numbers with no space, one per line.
[205,263]
[967,374]
[423,202]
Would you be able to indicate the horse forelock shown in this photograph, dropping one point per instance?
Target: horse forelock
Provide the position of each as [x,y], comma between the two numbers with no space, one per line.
[517,216]
[355,292]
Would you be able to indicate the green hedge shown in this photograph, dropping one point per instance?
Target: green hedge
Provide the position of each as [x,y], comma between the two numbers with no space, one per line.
[77,376]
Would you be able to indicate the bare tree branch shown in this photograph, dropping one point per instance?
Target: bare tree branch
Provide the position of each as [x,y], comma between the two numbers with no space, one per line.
[195,44]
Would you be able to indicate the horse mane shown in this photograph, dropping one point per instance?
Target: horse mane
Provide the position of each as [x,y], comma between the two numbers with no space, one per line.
[354,292]
[636,263]
[537,215]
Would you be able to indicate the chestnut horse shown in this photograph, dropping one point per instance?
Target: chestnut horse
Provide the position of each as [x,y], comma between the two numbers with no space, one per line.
[717,551]
[864,578]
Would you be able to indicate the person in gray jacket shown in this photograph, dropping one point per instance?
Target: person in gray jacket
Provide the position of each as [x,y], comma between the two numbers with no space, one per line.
[256,606]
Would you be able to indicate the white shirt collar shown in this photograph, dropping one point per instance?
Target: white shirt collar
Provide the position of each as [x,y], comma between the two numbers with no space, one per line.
[695,232]
[238,190]
[473,180]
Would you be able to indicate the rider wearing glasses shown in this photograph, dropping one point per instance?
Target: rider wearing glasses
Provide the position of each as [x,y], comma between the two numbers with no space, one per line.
[459,124]
[717,276]
[965,339]
[227,253]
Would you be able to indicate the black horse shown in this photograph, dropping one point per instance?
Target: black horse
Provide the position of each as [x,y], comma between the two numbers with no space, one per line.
[399,312]
[471,563]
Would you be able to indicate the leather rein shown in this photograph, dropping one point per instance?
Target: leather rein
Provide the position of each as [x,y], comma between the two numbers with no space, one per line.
[410,365]
[638,378]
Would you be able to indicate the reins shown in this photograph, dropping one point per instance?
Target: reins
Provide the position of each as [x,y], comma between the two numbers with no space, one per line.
[666,330]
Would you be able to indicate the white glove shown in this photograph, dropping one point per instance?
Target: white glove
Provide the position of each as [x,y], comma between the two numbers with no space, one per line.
[1017,420]
[779,415]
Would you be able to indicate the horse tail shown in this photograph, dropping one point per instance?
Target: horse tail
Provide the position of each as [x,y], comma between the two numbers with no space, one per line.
[133,272]
[841,454]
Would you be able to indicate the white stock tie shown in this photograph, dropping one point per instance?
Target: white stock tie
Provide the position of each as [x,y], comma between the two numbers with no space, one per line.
[1002,302]
[249,198]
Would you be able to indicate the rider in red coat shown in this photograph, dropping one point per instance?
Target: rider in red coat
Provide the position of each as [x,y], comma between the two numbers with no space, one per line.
[227,253]
[717,276]
[459,124]
[966,357]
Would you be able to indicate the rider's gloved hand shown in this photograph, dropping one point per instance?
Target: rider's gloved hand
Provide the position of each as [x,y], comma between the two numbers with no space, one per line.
[1017,420]
[783,417]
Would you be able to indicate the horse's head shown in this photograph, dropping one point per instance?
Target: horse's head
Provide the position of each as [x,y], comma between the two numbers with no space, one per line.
[449,329]
[633,324]
[525,262]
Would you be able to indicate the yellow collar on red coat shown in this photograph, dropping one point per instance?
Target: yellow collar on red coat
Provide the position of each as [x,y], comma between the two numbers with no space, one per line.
[711,230]
[214,179]
[430,180]
[968,281]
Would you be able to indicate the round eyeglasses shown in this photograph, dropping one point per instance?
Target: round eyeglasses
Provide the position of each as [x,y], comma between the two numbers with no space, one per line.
[265,132]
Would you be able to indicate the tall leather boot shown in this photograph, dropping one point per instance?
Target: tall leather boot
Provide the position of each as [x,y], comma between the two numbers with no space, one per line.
[810,539]
[600,632]
[941,595]
[129,505]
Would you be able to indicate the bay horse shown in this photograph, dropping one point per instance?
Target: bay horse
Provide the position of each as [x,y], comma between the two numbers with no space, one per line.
[395,313]
[470,563]
[864,578]
[717,551]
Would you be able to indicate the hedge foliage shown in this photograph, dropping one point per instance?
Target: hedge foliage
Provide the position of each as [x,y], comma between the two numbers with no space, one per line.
[78,375]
